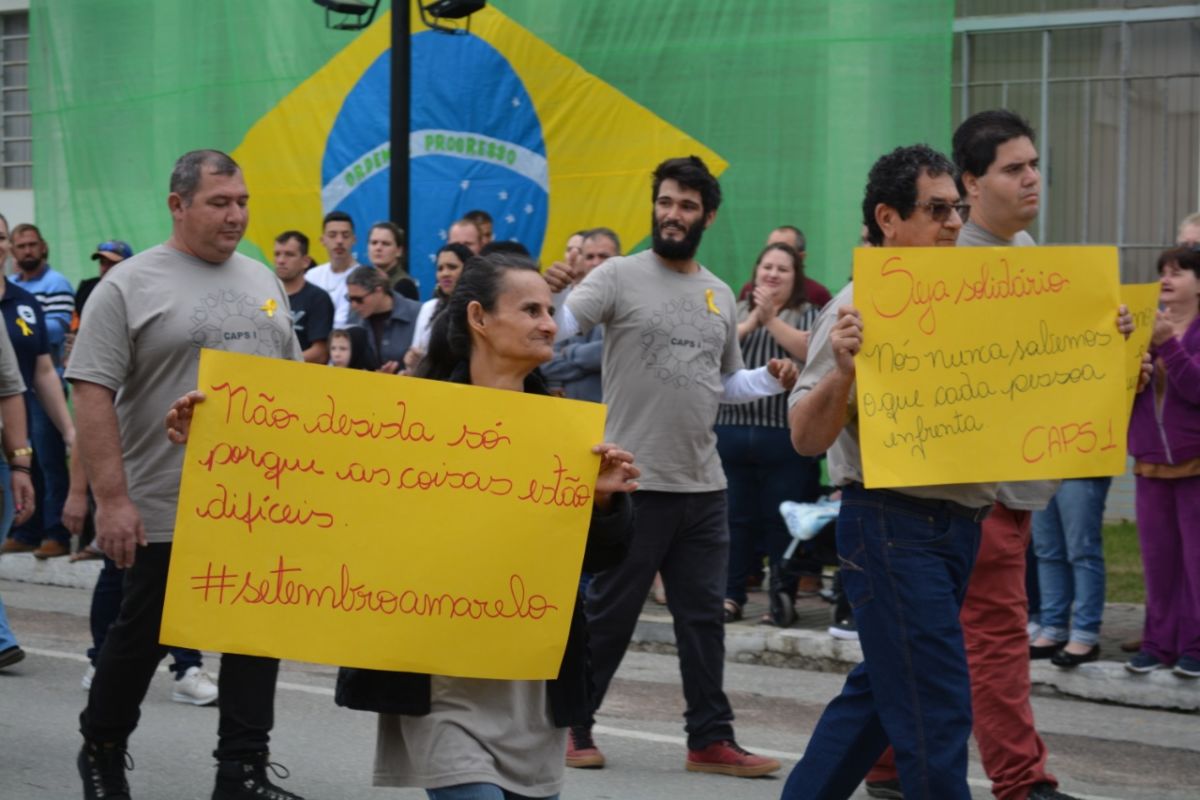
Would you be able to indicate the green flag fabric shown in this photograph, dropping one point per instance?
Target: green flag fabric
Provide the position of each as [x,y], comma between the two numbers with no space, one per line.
[789,100]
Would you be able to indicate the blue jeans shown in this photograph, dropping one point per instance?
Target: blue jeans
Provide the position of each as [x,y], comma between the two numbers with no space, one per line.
[905,564]
[7,639]
[478,791]
[762,470]
[1070,555]
[50,479]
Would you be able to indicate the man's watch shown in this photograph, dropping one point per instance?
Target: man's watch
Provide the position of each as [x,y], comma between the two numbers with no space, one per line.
[20,451]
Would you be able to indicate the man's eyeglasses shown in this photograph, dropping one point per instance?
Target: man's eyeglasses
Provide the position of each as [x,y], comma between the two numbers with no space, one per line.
[940,209]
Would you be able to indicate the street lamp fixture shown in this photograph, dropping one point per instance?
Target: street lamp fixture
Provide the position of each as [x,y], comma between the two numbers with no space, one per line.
[356,14]
[432,13]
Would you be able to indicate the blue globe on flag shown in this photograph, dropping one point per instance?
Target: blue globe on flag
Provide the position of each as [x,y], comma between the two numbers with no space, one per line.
[476,143]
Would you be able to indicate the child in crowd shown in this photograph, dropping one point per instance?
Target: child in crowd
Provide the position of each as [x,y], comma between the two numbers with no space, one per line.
[348,348]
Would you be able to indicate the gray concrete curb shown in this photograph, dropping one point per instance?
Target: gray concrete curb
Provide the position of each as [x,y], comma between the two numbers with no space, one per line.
[1102,681]
[51,572]
[1110,682]
[797,648]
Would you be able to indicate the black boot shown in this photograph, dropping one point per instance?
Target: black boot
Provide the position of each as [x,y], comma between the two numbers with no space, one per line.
[246,779]
[102,768]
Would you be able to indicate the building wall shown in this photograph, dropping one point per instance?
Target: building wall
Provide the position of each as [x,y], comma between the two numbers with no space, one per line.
[16,140]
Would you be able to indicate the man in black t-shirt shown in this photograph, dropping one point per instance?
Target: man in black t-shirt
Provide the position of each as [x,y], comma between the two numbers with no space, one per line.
[312,309]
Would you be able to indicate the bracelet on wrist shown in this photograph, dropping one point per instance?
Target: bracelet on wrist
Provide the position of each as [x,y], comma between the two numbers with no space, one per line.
[20,468]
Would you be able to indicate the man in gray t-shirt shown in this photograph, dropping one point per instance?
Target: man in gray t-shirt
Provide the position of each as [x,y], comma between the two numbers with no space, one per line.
[137,351]
[671,356]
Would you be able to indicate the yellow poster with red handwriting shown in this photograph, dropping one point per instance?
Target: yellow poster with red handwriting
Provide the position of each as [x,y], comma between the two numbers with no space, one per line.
[984,364]
[370,520]
[1142,301]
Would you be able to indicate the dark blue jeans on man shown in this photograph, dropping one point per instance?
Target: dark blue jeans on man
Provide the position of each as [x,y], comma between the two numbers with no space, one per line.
[763,470]
[905,564]
[50,479]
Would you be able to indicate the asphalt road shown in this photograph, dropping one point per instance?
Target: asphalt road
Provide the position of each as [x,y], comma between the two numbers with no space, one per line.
[1097,751]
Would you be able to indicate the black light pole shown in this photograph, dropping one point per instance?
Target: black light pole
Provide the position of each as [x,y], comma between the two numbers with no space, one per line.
[401,92]
[358,14]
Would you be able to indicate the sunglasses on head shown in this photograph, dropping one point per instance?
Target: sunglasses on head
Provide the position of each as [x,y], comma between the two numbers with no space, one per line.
[940,209]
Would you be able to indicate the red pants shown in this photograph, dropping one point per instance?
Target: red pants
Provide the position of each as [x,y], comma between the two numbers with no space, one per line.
[993,618]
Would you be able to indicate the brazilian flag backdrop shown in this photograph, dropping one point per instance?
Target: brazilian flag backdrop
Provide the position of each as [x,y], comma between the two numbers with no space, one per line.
[550,115]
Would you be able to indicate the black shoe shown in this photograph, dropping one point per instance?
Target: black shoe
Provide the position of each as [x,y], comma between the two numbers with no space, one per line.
[1069,660]
[1046,791]
[10,656]
[1044,651]
[246,779]
[102,768]
[888,790]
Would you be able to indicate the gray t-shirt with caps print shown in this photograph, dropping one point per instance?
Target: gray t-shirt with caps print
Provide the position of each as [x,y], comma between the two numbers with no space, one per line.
[141,336]
[669,338]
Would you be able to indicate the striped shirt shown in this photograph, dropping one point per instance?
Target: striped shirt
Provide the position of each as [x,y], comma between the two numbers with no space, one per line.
[57,297]
[759,347]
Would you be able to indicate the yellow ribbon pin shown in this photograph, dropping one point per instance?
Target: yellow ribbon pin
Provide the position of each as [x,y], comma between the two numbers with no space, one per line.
[24,326]
[712,306]
[269,307]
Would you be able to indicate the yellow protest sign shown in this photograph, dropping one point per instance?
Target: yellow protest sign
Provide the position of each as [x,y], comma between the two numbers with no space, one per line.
[984,364]
[369,520]
[1142,301]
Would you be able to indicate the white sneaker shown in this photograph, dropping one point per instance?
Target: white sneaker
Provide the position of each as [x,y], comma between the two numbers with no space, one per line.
[86,683]
[195,687]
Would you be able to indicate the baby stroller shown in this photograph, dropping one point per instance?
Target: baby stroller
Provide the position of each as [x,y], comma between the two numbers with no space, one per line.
[813,527]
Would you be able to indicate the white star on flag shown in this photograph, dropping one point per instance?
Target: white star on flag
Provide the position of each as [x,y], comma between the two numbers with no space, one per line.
[503,195]
[516,102]
[465,185]
[528,208]
[510,219]
[433,258]
[442,234]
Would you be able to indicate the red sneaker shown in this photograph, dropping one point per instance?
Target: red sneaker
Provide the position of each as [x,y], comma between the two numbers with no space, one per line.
[726,758]
[582,752]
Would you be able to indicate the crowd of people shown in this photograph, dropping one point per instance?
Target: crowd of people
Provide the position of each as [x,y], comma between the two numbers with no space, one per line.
[720,406]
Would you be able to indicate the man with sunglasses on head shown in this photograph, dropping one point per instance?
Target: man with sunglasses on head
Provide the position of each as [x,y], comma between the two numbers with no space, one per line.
[907,553]
[389,318]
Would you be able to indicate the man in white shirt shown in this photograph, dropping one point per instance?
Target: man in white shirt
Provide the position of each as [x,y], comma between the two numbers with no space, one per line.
[337,234]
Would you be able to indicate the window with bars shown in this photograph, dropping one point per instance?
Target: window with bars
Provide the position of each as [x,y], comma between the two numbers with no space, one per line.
[16,140]
[1115,99]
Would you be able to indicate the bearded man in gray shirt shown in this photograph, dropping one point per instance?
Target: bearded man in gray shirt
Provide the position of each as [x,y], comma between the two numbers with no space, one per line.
[671,357]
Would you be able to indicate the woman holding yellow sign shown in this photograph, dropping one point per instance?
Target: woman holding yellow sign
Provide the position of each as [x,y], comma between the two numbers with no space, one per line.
[477,739]
[471,739]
